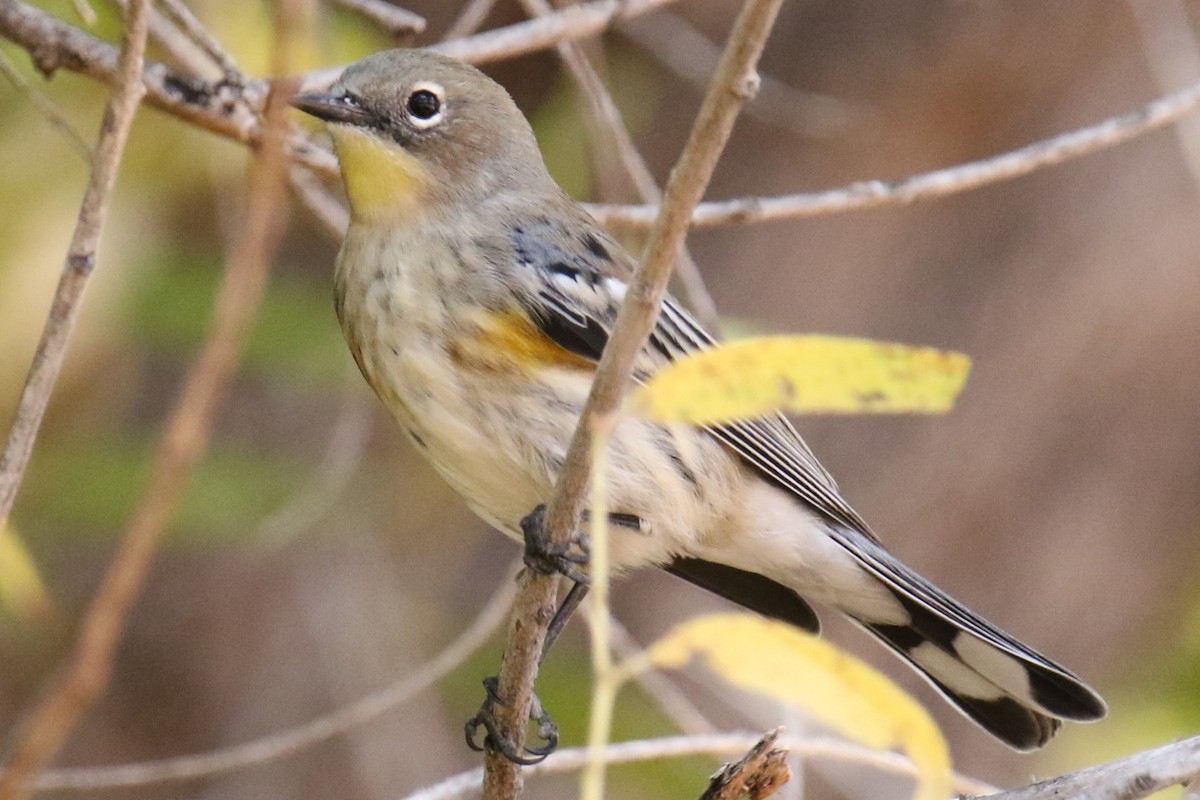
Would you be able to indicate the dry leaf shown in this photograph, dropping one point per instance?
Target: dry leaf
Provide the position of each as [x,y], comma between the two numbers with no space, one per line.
[838,690]
[807,374]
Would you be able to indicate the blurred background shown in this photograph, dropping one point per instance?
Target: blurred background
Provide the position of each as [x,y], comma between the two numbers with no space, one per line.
[317,558]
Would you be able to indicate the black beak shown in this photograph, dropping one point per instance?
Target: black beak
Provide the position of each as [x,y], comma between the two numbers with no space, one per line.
[332,108]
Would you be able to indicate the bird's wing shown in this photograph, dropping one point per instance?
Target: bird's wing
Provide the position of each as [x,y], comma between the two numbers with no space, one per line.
[576,304]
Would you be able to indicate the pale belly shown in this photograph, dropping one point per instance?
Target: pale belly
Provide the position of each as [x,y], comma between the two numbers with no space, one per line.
[497,426]
[500,443]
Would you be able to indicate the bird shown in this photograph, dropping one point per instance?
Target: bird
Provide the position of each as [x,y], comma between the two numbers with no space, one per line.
[476,298]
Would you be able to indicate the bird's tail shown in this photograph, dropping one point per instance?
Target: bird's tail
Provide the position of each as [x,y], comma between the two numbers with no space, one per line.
[1012,691]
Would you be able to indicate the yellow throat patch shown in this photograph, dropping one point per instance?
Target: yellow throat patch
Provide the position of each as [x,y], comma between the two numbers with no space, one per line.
[383,182]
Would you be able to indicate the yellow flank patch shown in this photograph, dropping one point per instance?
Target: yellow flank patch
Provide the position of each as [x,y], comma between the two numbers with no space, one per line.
[511,342]
[382,181]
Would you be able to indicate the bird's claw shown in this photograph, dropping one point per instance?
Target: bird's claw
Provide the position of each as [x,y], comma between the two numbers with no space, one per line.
[524,755]
[545,556]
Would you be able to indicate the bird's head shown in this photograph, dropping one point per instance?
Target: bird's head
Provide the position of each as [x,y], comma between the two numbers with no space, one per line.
[414,129]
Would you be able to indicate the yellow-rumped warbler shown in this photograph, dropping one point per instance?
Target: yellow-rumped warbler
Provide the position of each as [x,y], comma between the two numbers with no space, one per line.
[477,297]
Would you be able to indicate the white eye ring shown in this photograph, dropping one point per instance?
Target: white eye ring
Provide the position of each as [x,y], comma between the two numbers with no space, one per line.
[425,88]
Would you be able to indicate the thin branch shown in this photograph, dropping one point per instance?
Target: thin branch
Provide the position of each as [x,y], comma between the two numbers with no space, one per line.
[343,455]
[606,116]
[925,186]
[469,19]
[722,744]
[54,45]
[290,742]
[732,85]
[399,22]
[182,16]
[1127,779]
[85,11]
[568,24]
[757,774]
[670,698]
[676,44]
[225,109]
[575,22]
[174,42]
[90,666]
[332,215]
[46,107]
[1173,54]
[80,262]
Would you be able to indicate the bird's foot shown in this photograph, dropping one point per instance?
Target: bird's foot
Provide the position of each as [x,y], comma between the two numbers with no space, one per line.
[524,755]
[548,557]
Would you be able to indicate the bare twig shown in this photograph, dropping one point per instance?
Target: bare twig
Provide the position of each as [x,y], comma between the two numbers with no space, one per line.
[722,744]
[292,741]
[332,215]
[182,16]
[399,22]
[576,22]
[343,454]
[568,24]
[673,702]
[46,107]
[1127,779]
[85,11]
[186,436]
[182,50]
[732,85]
[607,117]
[928,185]
[80,262]
[55,45]
[1174,57]
[757,774]
[227,109]
[469,19]
[680,47]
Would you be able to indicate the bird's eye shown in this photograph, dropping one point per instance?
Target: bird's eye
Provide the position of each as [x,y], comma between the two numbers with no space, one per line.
[424,105]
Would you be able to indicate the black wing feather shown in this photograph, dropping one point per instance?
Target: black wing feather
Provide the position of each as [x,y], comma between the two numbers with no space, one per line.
[748,589]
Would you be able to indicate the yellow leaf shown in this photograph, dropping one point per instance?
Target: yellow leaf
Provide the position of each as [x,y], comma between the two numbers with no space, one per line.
[808,374]
[838,690]
[22,594]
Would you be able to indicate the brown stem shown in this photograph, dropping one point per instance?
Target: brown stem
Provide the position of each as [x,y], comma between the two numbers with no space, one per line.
[607,117]
[731,86]
[87,673]
[756,775]
[1157,113]
[81,258]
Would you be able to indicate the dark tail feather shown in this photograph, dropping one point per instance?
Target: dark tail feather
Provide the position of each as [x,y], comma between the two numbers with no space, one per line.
[1004,716]
[1007,687]
[748,589]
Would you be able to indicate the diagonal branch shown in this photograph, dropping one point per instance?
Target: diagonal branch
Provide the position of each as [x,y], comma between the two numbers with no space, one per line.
[1158,113]
[568,24]
[606,116]
[81,259]
[466,784]
[290,742]
[87,673]
[732,85]
[47,108]
[1127,779]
